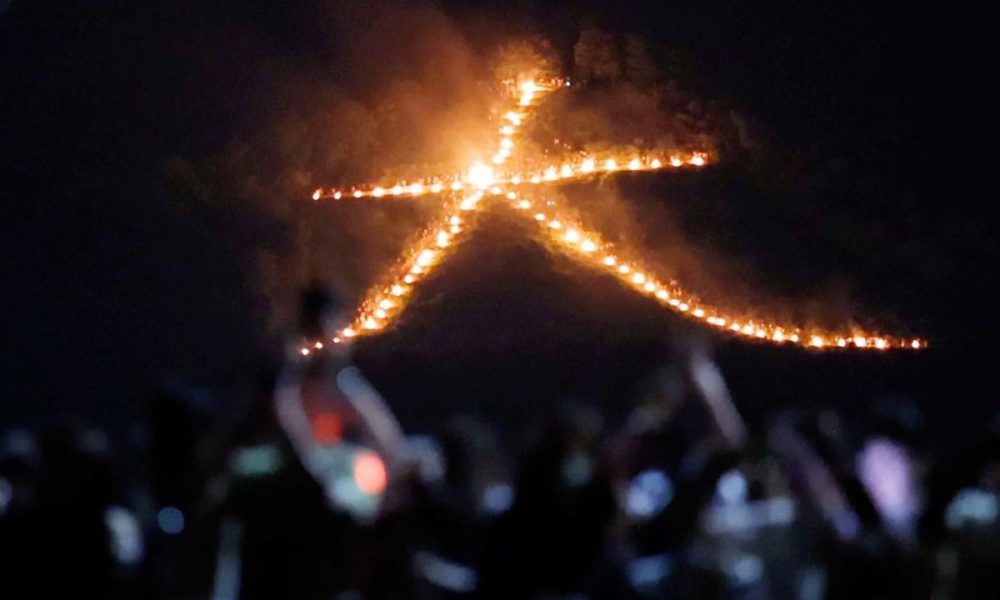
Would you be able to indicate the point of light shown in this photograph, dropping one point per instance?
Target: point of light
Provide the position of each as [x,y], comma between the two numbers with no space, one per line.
[170,519]
[482,176]
[370,473]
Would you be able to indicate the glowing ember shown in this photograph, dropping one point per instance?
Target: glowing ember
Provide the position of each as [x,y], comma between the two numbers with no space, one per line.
[481,176]
[386,302]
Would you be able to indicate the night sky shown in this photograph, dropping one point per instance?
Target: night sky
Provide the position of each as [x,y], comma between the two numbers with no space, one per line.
[111,287]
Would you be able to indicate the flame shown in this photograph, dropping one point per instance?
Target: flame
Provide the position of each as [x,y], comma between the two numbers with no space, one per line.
[383,304]
[583,244]
[481,176]
[528,90]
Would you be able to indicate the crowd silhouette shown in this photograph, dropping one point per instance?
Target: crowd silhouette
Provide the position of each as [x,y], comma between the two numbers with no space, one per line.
[313,490]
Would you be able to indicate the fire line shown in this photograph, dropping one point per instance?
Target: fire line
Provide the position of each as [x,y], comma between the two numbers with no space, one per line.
[482,183]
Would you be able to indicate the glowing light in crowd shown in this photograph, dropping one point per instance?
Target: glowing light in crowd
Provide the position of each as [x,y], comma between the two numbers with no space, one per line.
[370,473]
[385,302]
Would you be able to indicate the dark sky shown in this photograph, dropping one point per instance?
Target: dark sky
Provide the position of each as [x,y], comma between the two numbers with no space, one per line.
[108,290]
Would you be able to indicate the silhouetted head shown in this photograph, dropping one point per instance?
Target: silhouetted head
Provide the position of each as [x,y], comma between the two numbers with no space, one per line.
[319,309]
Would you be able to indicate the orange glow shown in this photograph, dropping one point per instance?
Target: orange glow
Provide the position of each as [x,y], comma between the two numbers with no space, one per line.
[481,176]
[528,90]
[383,304]
[326,427]
[582,244]
[370,473]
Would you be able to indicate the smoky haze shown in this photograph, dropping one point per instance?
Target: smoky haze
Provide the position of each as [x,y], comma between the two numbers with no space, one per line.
[408,94]
[165,155]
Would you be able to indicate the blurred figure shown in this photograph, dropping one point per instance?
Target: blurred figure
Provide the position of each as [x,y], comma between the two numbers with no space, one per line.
[342,430]
[962,519]
[675,446]
[862,493]
[64,529]
[430,545]
[312,462]
[554,539]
